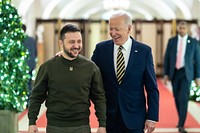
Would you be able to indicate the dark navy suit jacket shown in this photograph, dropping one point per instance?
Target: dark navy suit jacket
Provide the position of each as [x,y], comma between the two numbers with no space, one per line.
[192,58]
[30,44]
[130,94]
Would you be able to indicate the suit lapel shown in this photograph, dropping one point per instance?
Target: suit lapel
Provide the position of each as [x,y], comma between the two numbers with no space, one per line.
[133,53]
[188,45]
[173,50]
[110,58]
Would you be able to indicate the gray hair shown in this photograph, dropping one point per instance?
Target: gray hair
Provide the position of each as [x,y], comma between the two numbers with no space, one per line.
[127,16]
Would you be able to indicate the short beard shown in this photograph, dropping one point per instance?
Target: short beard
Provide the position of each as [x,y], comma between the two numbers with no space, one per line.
[68,53]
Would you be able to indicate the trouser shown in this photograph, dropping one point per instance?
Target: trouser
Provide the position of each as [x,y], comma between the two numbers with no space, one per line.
[181,91]
[78,129]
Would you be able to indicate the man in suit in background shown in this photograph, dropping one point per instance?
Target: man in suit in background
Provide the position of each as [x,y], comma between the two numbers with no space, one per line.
[31,44]
[125,92]
[181,66]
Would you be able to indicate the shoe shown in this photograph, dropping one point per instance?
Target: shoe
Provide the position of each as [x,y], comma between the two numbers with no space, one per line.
[182,130]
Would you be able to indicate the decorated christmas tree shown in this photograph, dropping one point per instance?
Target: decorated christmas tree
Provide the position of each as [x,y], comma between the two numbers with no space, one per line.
[194,92]
[14,71]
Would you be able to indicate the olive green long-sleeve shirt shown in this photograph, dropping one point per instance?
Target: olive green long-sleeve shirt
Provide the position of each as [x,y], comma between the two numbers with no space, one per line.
[68,86]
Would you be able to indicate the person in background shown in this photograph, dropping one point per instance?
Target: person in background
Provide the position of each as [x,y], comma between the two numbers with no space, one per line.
[67,83]
[129,79]
[31,45]
[181,66]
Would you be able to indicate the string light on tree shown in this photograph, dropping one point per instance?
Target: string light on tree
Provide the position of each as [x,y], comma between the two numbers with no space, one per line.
[14,71]
[194,92]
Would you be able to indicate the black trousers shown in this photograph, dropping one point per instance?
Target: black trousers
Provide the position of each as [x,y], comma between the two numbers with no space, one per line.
[181,91]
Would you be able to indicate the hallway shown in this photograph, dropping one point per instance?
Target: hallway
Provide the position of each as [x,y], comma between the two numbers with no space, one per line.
[168,116]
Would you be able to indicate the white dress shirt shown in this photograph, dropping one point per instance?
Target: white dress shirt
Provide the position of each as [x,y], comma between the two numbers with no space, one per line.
[126,52]
[184,43]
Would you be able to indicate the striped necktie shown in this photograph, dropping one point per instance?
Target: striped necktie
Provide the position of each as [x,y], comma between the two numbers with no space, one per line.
[120,65]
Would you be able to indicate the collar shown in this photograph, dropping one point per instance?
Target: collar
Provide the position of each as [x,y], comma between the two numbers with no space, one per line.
[184,37]
[126,45]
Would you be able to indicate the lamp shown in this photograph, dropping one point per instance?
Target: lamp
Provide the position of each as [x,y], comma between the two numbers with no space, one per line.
[116,4]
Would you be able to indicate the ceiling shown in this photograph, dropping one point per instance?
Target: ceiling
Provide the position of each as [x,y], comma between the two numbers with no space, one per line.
[93,9]
[29,10]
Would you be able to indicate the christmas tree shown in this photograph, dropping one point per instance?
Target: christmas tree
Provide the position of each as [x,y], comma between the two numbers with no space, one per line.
[194,92]
[14,71]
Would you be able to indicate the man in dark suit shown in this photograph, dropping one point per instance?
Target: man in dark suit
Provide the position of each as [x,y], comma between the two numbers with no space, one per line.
[126,99]
[31,45]
[181,66]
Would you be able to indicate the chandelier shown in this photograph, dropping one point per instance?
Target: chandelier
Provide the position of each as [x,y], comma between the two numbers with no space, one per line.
[116,4]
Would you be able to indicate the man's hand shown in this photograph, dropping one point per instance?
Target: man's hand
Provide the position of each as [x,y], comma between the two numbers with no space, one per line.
[197,82]
[149,126]
[33,129]
[101,130]
[166,79]
[59,53]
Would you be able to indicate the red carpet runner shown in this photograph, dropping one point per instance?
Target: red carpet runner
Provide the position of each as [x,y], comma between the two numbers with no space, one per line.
[168,115]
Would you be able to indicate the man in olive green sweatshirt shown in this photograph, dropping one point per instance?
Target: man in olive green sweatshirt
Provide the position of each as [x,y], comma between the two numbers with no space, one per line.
[67,83]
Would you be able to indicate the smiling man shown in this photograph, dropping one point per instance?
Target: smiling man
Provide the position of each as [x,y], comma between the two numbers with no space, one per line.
[67,83]
[127,71]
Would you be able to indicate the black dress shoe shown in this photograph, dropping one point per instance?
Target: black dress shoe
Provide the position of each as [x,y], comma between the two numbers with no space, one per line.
[182,130]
